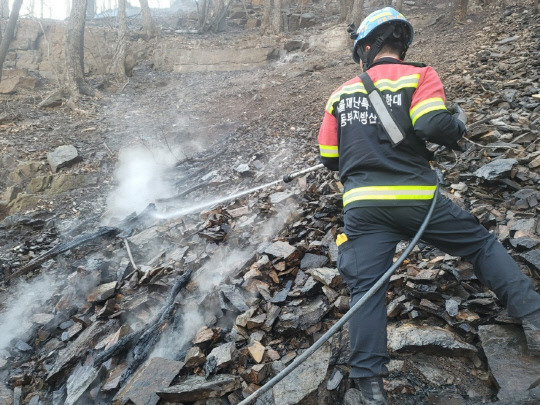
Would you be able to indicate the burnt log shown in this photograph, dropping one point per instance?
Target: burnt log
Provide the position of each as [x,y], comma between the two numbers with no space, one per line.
[142,341]
[64,247]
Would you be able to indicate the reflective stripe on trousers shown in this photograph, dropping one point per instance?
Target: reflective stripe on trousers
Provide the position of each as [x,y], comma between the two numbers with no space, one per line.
[389,193]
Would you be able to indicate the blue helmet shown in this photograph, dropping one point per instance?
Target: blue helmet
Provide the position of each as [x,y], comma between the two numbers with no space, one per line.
[385,17]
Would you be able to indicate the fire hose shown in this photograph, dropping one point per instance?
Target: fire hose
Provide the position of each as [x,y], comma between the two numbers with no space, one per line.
[324,338]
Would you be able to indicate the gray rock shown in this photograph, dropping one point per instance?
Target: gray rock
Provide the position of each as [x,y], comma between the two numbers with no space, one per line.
[42,319]
[311,286]
[78,348]
[23,346]
[195,388]
[526,225]
[328,276]
[427,338]
[524,243]
[223,355]
[154,375]
[293,45]
[236,296]
[507,40]
[63,156]
[532,258]
[511,367]
[310,261]
[242,168]
[329,242]
[352,397]
[496,169]
[194,357]
[280,250]
[66,182]
[102,292]
[452,307]
[281,296]
[430,368]
[292,319]
[509,95]
[276,198]
[303,380]
[334,380]
[78,382]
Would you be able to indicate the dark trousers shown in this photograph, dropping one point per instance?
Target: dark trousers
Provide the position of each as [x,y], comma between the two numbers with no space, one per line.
[373,234]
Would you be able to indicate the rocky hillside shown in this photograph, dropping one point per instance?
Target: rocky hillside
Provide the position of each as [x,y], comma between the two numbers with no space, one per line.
[137,266]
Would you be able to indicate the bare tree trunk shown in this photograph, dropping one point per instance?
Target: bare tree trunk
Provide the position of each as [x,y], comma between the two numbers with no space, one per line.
[356,11]
[344,7]
[276,17]
[399,5]
[272,19]
[536,6]
[30,8]
[9,32]
[203,10]
[149,27]
[460,10]
[265,21]
[118,66]
[218,23]
[90,9]
[4,8]
[75,82]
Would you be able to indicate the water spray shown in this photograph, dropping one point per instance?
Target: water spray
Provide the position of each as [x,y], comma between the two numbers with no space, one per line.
[186,211]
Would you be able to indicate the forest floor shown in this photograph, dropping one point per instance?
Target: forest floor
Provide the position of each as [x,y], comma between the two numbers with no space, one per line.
[272,113]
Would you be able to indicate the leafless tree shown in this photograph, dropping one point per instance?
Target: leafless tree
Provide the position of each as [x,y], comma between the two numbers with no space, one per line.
[343,10]
[9,32]
[90,9]
[536,6]
[118,66]
[76,84]
[399,5]
[459,11]
[4,8]
[355,12]
[149,27]
[271,20]
[212,14]
[351,11]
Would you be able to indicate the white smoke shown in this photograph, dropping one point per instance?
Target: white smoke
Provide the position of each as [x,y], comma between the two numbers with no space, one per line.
[23,299]
[207,279]
[142,178]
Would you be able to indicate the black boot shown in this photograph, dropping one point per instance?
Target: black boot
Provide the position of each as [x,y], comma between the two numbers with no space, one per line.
[371,390]
[531,327]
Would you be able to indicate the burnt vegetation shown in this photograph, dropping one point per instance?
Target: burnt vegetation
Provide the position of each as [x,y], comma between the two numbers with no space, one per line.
[128,273]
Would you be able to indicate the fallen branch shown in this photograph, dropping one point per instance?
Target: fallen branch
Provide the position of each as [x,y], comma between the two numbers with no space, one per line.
[130,255]
[147,337]
[55,251]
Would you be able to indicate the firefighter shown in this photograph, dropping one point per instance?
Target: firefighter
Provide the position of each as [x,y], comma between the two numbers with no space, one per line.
[389,185]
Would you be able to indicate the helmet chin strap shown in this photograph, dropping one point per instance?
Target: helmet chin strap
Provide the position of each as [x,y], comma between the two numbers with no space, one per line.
[368,57]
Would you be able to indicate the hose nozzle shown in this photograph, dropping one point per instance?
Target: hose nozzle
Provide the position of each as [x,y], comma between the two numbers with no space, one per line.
[291,176]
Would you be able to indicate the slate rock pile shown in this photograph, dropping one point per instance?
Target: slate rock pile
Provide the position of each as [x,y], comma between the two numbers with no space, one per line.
[262,283]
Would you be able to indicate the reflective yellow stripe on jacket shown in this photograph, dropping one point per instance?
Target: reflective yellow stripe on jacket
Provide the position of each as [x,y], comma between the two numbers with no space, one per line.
[389,193]
[329,151]
[393,86]
[423,107]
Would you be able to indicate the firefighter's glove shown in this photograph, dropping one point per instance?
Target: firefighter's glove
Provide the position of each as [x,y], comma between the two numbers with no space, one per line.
[459,114]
